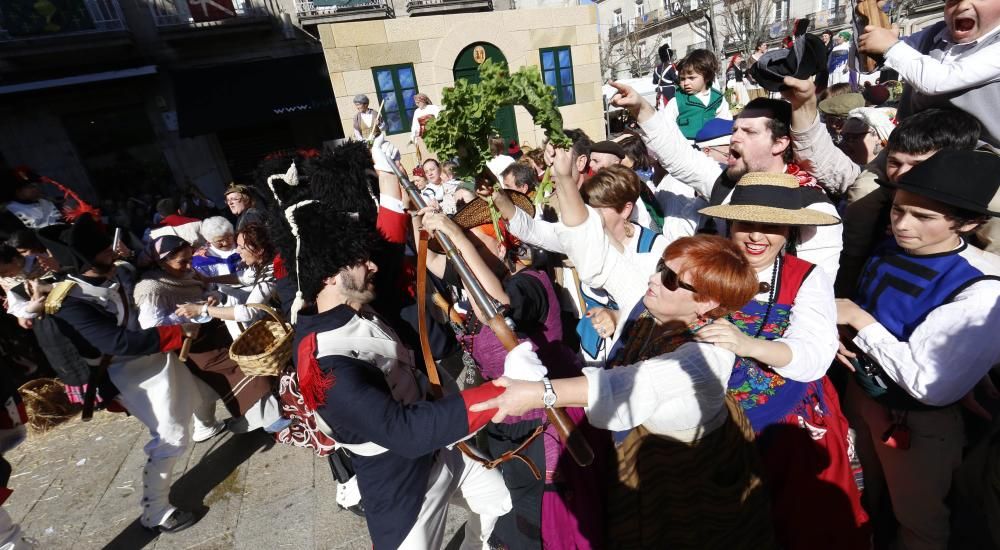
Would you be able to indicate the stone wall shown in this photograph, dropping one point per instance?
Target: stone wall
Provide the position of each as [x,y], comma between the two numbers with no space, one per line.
[432,44]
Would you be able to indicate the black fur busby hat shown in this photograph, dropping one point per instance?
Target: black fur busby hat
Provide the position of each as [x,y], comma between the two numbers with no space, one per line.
[322,212]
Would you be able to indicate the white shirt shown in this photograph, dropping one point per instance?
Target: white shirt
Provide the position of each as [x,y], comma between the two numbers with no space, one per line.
[535,232]
[260,293]
[498,164]
[963,65]
[415,125]
[812,329]
[624,277]
[680,205]
[16,304]
[35,215]
[433,191]
[679,394]
[817,245]
[951,350]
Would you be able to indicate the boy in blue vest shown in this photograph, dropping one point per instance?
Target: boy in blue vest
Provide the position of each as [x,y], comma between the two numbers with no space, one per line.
[926,314]
[697,101]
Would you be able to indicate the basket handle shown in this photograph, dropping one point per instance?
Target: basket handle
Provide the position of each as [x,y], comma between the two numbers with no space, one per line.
[270,311]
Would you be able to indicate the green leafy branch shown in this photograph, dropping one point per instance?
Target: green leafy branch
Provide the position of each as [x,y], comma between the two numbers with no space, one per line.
[464,127]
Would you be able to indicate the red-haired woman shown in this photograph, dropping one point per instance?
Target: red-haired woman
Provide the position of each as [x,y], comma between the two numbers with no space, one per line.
[688,473]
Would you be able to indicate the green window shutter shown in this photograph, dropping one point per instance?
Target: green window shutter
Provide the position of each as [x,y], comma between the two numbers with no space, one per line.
[557,71]
[396,85]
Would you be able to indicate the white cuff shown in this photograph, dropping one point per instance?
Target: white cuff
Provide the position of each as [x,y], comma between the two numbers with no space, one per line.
[899,54]
[390,203]
[873,335]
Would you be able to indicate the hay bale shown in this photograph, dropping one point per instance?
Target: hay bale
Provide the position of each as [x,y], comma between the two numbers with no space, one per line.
[46,403]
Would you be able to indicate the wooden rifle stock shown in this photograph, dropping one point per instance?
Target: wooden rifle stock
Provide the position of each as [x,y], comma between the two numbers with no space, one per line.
[577,446]
[868,12]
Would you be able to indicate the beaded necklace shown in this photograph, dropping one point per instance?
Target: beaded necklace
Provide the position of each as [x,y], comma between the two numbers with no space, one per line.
[770,289]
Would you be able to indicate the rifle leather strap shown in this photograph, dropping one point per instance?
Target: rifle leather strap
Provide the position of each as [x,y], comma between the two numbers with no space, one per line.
[434,378]
[90,396]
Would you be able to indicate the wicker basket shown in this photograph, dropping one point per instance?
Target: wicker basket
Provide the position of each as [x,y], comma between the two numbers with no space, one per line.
[266,347]
[46,404]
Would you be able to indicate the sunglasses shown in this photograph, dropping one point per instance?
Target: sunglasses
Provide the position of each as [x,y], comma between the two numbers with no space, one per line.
[670,280]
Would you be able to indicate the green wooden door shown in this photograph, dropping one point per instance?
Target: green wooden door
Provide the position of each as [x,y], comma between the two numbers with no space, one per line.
[467,67]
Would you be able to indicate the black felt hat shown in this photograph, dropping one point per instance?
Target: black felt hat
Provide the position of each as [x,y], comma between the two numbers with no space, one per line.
[964,179]
[608,147]
[805,58]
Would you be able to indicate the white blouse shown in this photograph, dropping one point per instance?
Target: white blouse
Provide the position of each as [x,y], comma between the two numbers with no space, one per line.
[812,329]
[260,292]
[679,394]
[415,125]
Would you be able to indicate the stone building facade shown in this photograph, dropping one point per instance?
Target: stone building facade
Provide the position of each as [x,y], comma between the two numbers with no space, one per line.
[433,46]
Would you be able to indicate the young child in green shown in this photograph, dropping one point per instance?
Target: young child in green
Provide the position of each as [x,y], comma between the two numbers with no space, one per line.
[697,101]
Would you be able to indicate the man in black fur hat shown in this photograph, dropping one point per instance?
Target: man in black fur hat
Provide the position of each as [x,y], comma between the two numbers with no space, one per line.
[92,307]
[355,372]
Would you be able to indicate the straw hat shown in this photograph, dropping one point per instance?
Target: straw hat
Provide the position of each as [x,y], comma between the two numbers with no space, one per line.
[762,197]
[477,213]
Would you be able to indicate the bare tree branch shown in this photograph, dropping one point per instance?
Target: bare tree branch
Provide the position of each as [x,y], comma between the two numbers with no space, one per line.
[747,22]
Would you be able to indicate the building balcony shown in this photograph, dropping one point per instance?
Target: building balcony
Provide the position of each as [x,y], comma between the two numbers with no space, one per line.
[179,16]
[312,12]
[697,46]
[30,25]
[657,20]
[825,19]
[439,7]
[616,33]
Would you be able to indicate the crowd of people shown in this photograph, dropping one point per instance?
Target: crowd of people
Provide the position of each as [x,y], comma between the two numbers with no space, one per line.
[773,329]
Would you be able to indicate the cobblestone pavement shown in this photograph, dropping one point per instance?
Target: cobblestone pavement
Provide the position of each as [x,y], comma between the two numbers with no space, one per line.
[77,487]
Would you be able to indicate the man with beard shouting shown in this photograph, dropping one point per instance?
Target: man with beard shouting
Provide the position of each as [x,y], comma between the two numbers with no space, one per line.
[760,142]
[354,369]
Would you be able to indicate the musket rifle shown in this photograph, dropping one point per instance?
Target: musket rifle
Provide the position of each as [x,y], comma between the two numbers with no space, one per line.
[868,12]
[577,446]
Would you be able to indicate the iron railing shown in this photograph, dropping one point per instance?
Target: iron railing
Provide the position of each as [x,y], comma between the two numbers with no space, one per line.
[697,46]
[210,13]
[94,16]
[833,17]
[311,8]
[672,9]
[420,5]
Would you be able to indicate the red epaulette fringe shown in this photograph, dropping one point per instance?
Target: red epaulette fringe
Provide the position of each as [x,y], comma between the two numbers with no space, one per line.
[313,382]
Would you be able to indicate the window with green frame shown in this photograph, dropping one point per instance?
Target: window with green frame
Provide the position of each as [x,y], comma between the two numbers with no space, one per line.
[557,71]
[396,85]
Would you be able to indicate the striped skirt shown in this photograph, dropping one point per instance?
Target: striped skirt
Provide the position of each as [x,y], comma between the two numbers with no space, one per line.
[702,495]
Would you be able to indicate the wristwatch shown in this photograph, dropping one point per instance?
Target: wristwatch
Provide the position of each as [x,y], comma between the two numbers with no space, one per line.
[204,310]
[549,397]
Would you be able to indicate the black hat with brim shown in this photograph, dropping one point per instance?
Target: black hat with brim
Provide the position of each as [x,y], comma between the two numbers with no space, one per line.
[969,180]
[805,58]
[608,147]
